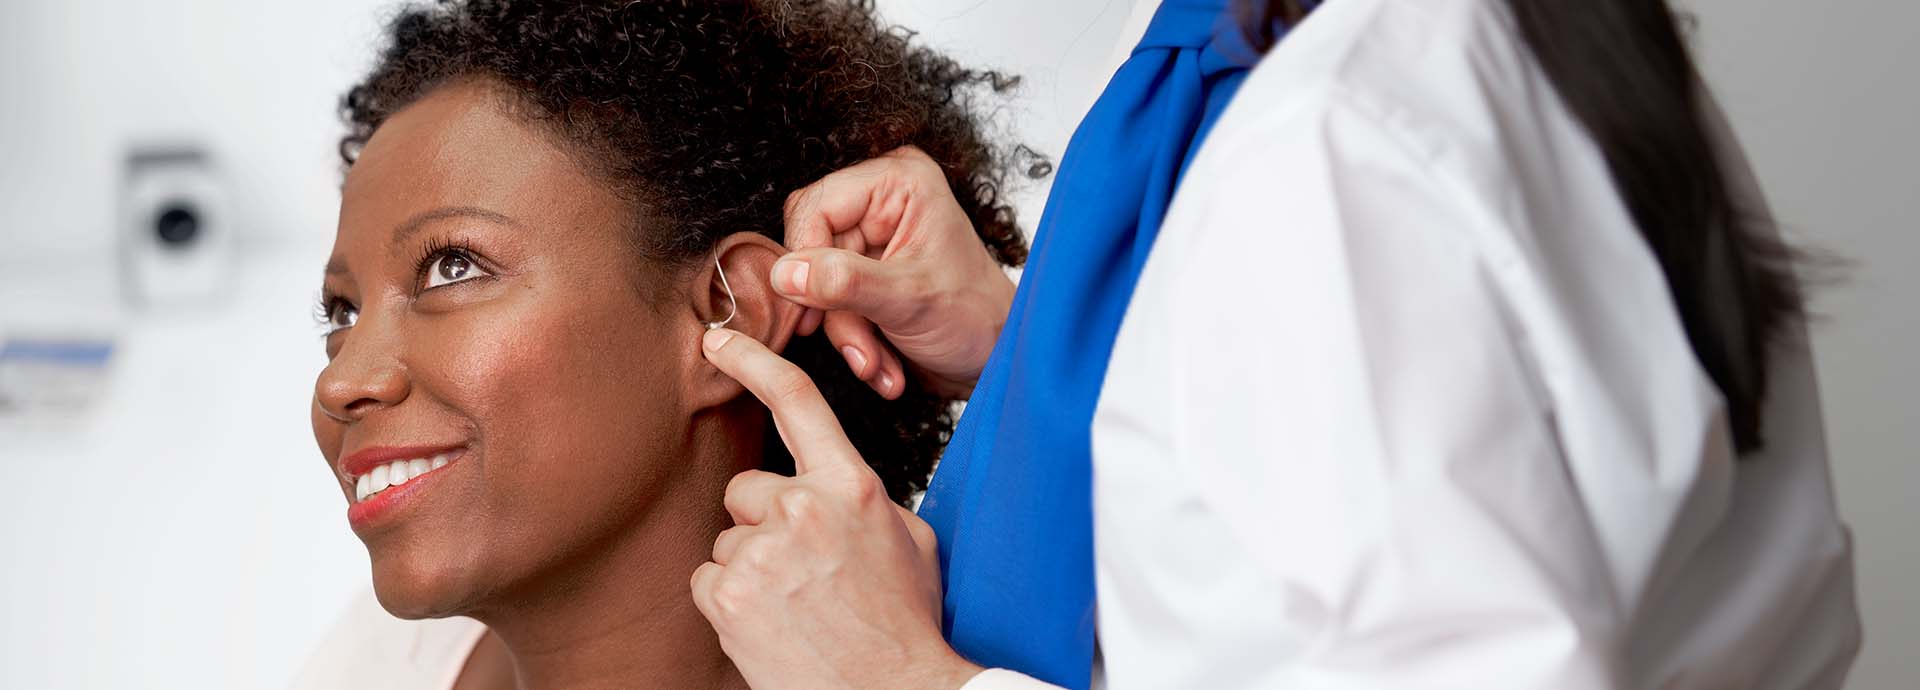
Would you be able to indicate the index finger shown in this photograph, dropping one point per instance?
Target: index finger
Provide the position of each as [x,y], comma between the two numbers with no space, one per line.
[805,421]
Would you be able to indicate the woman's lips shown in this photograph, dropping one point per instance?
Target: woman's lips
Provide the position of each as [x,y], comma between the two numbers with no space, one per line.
[383,479]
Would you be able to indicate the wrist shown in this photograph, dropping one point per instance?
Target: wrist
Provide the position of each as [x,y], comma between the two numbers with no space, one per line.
[1000,306]
[949,671]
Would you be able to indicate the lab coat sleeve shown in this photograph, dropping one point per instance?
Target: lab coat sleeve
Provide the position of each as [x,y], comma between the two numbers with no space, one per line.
[1352,397]
[1002,679]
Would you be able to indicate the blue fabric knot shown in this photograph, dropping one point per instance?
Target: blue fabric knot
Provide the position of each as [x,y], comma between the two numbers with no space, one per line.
[1203,25]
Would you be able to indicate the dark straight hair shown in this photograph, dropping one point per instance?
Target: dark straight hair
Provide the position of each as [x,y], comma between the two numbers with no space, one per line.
[1622,68]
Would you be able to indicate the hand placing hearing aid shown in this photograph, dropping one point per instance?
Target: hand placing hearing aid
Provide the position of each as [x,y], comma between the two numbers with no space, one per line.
[797,539]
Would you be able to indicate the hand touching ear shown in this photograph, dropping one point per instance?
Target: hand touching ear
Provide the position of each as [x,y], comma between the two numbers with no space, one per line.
[884,245]
[823,583]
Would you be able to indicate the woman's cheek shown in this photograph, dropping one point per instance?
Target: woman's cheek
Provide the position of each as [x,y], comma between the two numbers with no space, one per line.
[534,376]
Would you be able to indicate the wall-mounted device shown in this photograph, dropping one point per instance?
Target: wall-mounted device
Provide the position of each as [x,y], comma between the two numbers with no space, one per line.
[176,239]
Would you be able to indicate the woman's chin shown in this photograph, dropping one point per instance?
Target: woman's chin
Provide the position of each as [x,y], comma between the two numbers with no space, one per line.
[411,589]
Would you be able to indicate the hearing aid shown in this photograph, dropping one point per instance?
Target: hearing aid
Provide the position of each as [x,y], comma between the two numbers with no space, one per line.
[733,306]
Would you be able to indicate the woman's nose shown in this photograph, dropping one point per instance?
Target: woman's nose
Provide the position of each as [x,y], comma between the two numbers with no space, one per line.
[357,383]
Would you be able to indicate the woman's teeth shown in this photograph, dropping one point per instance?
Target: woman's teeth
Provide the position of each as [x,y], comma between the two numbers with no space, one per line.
[394,474]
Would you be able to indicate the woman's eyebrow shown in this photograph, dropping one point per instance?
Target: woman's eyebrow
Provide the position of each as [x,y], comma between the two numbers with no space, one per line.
[413,225]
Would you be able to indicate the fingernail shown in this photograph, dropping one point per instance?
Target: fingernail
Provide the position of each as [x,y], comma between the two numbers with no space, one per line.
[790,276]
[854,358]
[716,339]
[886,382]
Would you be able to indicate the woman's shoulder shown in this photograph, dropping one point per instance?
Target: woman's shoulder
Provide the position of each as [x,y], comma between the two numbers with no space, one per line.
[369,649]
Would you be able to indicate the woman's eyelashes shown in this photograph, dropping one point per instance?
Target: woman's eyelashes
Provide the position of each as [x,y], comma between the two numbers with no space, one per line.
[440,265]
[335,314]
[444,262]
[452,266]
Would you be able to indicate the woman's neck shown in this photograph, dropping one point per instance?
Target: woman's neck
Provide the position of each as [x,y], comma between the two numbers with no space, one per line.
[624,617]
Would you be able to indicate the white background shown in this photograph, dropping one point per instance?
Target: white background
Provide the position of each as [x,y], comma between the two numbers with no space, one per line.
[185,534]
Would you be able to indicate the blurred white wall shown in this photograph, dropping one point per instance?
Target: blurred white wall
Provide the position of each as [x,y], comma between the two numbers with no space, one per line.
[185,535]
[259,81]
[1825,98]
[182,535]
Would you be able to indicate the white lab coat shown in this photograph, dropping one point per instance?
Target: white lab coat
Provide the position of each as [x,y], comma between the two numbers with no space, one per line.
[1401,401]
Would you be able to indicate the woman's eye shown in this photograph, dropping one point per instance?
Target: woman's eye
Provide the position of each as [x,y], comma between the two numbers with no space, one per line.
[450,268]
[341,316]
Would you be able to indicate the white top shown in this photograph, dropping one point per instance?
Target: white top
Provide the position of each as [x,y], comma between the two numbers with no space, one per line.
[369,649]
[1401,401]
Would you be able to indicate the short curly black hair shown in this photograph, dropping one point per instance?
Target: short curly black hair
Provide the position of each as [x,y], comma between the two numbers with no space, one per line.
[706,114]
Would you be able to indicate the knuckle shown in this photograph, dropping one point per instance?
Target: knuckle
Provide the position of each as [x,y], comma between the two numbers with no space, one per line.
[923,166]
[865,488]
[723,543]
[795,198]
[728,544]
[791,385]
[833,276]
[756,554]
[921,532]
[911,153]
[732,594]
[702,580]
[737,485]
[797,504]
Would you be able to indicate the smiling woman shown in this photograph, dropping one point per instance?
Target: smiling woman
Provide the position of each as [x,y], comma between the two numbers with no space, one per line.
[541,202]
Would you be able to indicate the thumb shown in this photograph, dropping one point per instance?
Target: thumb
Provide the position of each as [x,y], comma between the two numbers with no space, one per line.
[884,291]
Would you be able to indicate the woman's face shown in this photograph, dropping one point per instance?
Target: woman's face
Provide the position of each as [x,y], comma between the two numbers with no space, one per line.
[492,329]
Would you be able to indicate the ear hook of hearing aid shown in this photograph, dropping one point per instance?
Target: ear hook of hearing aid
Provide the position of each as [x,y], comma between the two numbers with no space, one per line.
[733,306]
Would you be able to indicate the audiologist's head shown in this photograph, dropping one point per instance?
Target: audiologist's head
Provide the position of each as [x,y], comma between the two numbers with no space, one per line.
[540,201]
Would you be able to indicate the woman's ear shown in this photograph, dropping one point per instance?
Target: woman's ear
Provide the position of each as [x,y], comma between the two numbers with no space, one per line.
[735,289]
